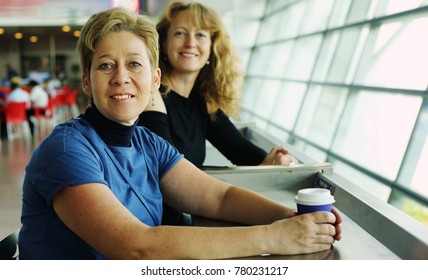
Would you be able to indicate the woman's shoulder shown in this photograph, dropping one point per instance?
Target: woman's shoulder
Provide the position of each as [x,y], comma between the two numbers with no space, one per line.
[65,137]
[154,145]
[144,134]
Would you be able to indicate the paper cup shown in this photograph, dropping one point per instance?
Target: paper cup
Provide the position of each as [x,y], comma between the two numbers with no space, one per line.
[313,199]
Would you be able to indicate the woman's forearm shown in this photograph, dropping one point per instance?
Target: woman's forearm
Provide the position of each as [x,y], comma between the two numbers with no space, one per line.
[250,208]
[167,242]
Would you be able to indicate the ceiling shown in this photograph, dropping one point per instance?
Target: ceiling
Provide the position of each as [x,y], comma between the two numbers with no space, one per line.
[44,18]
[60,12]
[76,12]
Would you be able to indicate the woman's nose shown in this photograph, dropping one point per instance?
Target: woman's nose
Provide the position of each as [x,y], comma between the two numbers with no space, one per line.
[120,76]
[190,41]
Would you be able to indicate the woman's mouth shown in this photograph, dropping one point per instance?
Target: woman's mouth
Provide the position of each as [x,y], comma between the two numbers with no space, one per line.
[122,96]
[187,54]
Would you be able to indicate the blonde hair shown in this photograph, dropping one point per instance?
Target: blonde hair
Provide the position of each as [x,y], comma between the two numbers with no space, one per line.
[220,81]
[116,20]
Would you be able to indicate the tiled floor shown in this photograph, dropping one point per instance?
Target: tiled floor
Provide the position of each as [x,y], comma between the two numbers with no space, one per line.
[14,156]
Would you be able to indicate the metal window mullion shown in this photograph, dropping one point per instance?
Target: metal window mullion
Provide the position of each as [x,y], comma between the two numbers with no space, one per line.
[374,89]
[374,21]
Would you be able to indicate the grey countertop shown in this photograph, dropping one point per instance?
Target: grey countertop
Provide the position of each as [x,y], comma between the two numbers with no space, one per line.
[371,229]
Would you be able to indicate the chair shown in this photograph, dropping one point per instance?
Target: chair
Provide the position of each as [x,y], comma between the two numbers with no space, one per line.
[44,118]
[9,247]
[66,89]
[15,113]
[71,103]
[67,105]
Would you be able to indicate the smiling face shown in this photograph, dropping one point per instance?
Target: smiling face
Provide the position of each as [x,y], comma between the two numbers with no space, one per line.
[121,78]
[187,46]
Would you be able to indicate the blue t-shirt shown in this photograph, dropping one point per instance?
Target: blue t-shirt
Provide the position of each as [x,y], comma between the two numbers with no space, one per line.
[74,154]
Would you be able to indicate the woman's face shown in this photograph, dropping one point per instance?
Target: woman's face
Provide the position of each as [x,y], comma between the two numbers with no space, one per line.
[121,79]
[187,46]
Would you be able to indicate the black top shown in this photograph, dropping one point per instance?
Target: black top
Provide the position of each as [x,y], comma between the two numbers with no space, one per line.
[114,134]
[188,124]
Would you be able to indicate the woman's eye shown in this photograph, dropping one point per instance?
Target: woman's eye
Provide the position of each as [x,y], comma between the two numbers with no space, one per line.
[202,35]
[135,65]
[179,33]
[105,66]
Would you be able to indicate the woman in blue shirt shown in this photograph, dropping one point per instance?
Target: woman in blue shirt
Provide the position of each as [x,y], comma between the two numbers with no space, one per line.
[94,187]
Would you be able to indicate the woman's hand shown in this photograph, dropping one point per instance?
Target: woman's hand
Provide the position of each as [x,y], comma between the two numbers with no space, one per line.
[279,156]
[337,225]
[303,234]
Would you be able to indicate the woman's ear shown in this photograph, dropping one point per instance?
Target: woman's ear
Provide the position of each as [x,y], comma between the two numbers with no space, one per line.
[156,79]
[86,85]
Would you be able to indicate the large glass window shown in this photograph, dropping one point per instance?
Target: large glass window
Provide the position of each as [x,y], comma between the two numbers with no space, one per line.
[375,130]
[414,169]
[397,6]
[317,14]
[320,114]
[287,105]
[346,54]
[384,62]
[350,86]
[302,58]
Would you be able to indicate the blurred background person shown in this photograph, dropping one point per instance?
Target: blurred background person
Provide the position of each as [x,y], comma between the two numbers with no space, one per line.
[11,72]
[17,94]
[39,99]
[49,86]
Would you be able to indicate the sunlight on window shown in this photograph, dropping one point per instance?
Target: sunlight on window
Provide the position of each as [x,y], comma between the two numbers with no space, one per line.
[400,58]
[287,105]
[396,6]
[375,133]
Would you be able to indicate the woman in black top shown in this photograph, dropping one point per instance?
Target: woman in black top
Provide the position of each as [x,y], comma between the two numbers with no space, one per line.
[188,125]
[201,82]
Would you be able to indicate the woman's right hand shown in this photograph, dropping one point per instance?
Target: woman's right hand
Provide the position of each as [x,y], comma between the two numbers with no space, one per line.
[303,234]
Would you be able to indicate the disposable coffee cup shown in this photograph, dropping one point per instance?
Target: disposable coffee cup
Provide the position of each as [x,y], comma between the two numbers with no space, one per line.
[313,199]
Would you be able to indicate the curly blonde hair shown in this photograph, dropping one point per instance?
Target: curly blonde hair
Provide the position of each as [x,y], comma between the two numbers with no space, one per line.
[220,81]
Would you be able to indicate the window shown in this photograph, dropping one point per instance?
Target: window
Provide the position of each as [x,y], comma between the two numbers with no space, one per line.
[348,82]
